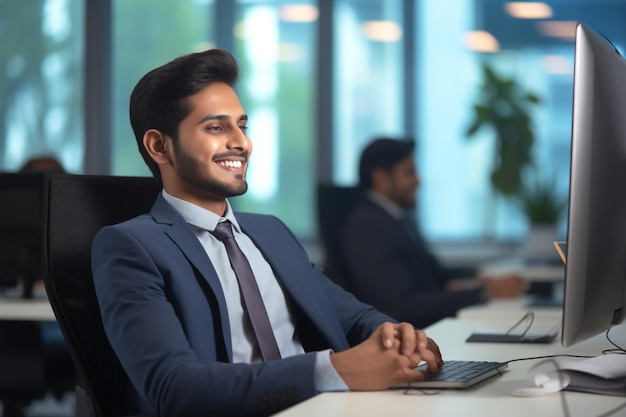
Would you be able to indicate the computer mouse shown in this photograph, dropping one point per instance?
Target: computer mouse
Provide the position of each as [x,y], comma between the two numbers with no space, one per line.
[544,378]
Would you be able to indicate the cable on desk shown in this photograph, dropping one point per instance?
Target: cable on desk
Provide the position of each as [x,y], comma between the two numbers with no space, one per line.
[618,349]
[530,316]
[410,390]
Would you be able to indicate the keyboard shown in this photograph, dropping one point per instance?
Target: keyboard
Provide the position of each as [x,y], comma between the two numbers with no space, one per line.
[458,374]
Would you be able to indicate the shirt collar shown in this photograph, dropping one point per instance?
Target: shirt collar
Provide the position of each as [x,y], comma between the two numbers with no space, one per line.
[389,206]
[200,217]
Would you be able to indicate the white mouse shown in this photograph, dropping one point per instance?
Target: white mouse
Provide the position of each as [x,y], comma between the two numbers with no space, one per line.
[543,379]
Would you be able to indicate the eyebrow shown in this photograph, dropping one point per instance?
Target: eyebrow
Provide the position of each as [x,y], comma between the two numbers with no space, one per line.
[241,118]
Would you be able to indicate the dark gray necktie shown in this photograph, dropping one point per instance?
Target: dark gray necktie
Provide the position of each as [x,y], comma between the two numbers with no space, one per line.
[253,303]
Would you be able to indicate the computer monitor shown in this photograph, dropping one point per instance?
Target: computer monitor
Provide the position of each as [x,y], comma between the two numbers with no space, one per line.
[595,270]
[21,207]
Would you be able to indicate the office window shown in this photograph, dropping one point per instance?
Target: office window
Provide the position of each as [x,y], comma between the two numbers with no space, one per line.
[368,87]
[454,193]
[273,43]
[147,34]
[275,47]
[41,55]
[456,199]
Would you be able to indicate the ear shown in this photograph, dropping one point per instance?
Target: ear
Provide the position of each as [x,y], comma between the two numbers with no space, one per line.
[380,179]
[158,146]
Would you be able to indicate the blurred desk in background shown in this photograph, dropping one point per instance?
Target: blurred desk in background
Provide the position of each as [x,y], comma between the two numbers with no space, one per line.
[13,306]
[26,309]
[510,310]
[545,278]
[550,271]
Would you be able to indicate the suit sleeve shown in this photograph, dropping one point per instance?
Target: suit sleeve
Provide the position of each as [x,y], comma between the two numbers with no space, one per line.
[397,278]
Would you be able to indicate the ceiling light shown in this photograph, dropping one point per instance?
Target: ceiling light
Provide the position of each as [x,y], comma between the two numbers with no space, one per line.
[528,10]
[481,41]
[382,31]
[298,13]
[565,30]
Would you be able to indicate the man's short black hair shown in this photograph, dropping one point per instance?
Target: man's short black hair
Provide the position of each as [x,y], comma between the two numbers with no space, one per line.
[382,153]
[160,98]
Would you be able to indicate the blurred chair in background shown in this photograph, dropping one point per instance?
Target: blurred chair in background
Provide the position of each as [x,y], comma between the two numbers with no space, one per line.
[334,205]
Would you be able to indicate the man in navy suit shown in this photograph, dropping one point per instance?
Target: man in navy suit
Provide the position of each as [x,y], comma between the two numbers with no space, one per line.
[170,301]
[384,257]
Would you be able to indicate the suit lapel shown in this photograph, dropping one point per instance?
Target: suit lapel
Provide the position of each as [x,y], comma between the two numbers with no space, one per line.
[275,252]
[180,232]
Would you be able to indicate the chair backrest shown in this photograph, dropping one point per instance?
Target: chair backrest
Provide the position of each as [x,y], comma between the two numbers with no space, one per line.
[334,205]
[75,208]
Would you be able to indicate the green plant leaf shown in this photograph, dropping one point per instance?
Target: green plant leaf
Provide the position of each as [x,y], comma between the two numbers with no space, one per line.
[502,106]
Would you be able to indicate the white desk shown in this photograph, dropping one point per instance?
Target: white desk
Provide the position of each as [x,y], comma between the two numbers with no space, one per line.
[509,310]
[490,398]
[35,309]
[529,272]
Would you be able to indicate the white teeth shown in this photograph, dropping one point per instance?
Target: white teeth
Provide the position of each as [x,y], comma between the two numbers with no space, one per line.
[231,164]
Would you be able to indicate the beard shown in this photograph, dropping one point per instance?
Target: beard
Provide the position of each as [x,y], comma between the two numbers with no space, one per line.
[403,198]
[191,171]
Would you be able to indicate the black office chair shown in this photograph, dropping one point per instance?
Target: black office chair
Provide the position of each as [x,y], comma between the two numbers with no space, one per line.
[334,205]
[75,208]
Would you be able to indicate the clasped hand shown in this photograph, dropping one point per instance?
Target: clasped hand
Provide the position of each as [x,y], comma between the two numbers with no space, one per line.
[387,358]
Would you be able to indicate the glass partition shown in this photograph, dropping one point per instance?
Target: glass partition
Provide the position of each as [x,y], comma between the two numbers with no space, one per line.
[147,34]
[275,47]
[41,96]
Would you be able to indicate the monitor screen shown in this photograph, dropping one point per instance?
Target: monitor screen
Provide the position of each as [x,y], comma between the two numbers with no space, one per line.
[20,230]
[595,271]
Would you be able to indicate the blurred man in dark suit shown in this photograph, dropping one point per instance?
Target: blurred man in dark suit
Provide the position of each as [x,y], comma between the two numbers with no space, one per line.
[386,260]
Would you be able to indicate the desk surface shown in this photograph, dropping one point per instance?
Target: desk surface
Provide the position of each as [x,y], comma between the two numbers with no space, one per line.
[509,310]
[530,272]
[37,309]
[489,398]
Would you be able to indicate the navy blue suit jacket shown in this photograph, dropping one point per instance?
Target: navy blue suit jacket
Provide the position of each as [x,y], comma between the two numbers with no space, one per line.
[165,315]
[396,273]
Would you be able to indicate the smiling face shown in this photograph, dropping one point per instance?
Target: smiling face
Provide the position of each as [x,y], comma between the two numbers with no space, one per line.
[208,162]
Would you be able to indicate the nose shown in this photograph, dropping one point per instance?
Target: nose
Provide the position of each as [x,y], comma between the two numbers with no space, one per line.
[417,181]
[238,140]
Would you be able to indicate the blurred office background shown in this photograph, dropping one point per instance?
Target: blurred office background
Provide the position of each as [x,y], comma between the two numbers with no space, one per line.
[319,80]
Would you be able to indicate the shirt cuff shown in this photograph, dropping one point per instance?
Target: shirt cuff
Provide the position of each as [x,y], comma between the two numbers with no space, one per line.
[326,378]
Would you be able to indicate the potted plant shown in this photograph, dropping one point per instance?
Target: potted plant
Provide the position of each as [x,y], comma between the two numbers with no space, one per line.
[541,203]
[543,206]
[503,106]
